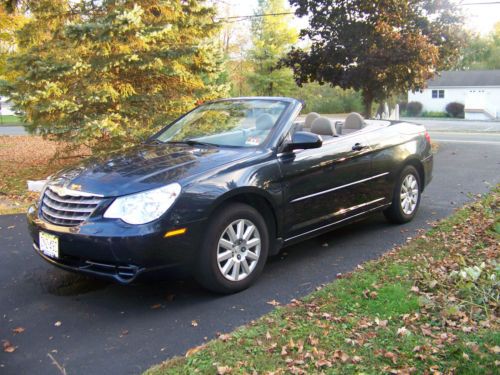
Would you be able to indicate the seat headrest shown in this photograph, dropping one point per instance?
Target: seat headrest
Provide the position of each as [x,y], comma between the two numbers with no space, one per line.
[310,118]
[264,122]
[323,126]
[354,121]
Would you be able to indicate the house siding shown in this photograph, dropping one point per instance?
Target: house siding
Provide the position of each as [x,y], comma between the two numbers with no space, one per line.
[474,98]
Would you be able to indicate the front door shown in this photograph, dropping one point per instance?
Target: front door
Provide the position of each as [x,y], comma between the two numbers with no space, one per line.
[326,185]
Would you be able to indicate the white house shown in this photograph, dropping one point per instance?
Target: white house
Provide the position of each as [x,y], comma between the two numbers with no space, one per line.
[5,106]
[477,90]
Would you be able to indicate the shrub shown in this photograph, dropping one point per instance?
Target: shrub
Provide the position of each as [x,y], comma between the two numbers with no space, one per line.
[455,109]
[434,114]
[414,108]
[402,106]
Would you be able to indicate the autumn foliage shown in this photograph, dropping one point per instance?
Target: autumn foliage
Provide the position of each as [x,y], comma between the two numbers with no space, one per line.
[376,47]
[107,74]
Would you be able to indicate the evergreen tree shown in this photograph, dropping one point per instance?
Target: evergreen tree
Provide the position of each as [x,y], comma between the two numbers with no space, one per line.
[10,22]
[272,39]
[107,74]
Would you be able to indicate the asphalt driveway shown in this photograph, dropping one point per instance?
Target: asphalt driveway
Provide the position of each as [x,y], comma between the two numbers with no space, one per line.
[89,327]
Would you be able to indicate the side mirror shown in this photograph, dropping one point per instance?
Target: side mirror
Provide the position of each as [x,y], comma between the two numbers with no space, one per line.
[304,140]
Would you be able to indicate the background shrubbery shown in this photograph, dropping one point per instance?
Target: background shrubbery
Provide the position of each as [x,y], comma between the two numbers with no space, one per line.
[326,99]
[414,108]
[455,109]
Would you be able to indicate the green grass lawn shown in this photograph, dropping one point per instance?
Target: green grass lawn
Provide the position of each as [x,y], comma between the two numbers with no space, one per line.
[9,120]
[427,307]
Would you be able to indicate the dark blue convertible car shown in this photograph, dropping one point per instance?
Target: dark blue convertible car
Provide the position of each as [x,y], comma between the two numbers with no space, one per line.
[225,186]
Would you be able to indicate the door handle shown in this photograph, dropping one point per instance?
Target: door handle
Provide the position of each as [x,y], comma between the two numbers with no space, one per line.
[358,147]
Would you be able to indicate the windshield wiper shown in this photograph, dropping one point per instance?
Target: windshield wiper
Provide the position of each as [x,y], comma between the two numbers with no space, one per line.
[193,142]
[155,141]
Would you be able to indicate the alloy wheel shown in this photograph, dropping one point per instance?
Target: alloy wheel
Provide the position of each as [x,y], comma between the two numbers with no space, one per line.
[238,250]
[409,194]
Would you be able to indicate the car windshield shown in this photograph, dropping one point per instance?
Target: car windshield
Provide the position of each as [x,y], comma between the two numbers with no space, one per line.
[235,123]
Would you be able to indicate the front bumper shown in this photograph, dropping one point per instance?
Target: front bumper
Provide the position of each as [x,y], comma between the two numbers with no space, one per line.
[112,249]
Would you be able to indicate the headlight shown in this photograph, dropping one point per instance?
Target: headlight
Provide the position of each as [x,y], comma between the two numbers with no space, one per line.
[142,208]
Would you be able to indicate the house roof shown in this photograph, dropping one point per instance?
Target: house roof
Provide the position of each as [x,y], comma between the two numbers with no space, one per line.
[467,78]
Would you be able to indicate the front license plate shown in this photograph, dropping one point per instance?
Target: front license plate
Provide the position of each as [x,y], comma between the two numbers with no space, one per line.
[49,245]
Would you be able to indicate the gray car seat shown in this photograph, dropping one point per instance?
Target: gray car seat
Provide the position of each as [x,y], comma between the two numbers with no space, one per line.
[309,119]
[353,122]
[323,126]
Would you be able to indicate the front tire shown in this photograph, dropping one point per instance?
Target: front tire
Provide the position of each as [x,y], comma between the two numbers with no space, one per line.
[234,250]
[406,197]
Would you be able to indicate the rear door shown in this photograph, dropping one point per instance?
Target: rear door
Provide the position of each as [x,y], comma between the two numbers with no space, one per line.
[326,185]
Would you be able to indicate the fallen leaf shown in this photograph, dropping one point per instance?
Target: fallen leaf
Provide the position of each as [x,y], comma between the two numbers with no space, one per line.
[323,363]
[495,349]
[221,370]
[403,331]
[224,337]
[312,340]
[194,350]
[58,323]
[392,356]
[18,330]
[156,306]
[356,359]
[273,302]
[8,347]
[381,323]
[194,323]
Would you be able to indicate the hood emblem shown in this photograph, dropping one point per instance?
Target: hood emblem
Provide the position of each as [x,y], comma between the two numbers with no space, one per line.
[75,187]
[72,192]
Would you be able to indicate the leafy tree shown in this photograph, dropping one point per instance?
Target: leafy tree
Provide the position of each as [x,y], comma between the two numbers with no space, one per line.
[327,99]
[273,38]
[107,73]
[481,52]
[11,22]
[377,47]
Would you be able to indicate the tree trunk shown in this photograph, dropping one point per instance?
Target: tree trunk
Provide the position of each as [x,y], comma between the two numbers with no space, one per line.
[367,102]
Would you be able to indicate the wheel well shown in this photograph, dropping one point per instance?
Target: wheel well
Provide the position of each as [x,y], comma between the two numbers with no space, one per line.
[261,204]
[420,169]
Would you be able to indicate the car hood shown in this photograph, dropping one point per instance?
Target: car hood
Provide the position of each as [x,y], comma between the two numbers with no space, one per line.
[144,167]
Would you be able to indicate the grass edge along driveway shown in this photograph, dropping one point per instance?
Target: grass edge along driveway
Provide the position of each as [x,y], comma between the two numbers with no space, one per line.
[430,306]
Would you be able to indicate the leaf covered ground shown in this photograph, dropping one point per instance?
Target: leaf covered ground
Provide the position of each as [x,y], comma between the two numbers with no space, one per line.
[428,307]
[25,158]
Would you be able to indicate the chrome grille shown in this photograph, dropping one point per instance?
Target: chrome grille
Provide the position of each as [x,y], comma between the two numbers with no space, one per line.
[67,207]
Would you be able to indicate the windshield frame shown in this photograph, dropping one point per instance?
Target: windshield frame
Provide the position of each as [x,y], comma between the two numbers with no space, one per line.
[284,116]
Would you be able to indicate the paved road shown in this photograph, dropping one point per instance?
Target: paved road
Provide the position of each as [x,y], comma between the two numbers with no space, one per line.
[490,139]
[456,125]
[12,130]
[106,328]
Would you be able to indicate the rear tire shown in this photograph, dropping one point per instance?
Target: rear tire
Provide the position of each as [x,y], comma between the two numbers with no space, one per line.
[406,197]
[234,249]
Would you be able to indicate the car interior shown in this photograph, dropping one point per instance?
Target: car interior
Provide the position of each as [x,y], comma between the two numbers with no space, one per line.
[328,130]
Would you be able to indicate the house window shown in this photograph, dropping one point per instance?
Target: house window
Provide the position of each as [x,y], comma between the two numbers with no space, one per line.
[437,94]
